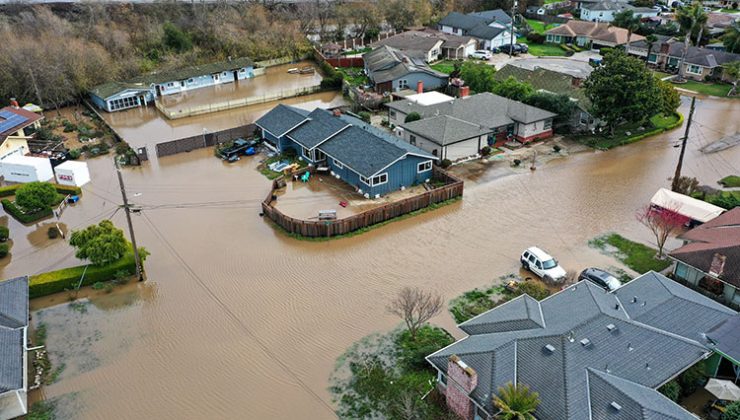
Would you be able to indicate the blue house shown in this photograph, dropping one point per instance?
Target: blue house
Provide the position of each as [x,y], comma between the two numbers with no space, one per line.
[372,161]
[116,96]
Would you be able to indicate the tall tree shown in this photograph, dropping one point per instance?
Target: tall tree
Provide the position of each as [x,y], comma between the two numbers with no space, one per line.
[100,244]
[661,222]
[626,19]
[731,38]
[732,71]
[513,89]
[622,90]
[516,402]
[415,307]
[689,19]
[478,76]
[650,40]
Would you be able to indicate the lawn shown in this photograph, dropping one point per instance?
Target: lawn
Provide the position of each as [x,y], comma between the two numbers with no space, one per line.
[729,10]
[539,26]
[444,66]
[634,255]
[712,89]
[542,49]
[661,74]
[730,181]
[355,76]
[630,133]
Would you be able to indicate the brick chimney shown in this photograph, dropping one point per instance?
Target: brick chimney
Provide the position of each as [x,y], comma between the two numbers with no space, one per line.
[461,381]
[717,267]
[464,91]
[337,112]
[14,103]
[419,87]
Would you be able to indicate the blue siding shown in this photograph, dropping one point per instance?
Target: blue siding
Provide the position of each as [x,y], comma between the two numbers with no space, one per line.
[401,174]
[177,86]
[430,82]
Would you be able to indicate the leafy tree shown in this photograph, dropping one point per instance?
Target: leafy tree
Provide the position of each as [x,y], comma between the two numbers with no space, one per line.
[516,402]
[175,38]
[650,40]
[693,378]
[622,90]
[411,353]
[626,19]
[559,104]
[4,233]
[412,116]
[513,89]
[672,390]
[100,244]
[670,100]
[732,70]
[731,38]
[478,76]
[36,196]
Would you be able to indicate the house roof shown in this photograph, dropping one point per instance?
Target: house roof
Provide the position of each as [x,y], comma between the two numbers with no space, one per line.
[282,119]
[485,31]
[320,126]
[142,82]
[412,42]
[14,119]
[13,318]
[450,40]
[484,109]
[585,350]
[642,43]
[445,129]
[496,15]
[463,21]
[478,24]
[387,63]
[546,80]
[600,32]
[606,6]
[725,338]
[700,56]
[686,206]
[718,237]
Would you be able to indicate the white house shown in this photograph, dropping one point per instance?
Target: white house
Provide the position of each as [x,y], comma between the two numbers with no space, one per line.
[604,11]
[491,28]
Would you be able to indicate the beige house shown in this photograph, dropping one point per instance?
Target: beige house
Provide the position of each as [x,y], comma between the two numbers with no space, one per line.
[17,125]
[590,34]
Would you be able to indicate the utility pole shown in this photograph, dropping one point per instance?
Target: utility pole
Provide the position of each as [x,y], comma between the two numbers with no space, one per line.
[513,18]
[127,210]
[677,175]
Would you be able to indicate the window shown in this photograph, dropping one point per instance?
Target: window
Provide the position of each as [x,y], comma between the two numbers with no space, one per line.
[306,153]
[393,113]
[693,69]
[403,84]
[380,179]
[170,84]
[652,58]
[441,378]
[190,80]
[424,166]
[338,164]
[364,180]
[548,124]
[412,139]
[681,271]
[243,71]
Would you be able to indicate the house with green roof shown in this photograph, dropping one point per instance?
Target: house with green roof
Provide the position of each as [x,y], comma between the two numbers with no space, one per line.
[117,96]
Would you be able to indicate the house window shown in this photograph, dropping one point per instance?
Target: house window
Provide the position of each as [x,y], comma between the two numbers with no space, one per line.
[364,180]
[307,154]
[584,118]
[380,179]
[548,124]
[403,84]
[412,139]
[693,69]
[424,166]
[392,113]
[243,71]
[337,164]
[190,80]
[681,271]
[170,84]
[652,58]
[441,378]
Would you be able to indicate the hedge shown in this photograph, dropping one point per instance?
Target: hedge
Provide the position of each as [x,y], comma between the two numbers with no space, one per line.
[61,189]
[17,214]
[68,278]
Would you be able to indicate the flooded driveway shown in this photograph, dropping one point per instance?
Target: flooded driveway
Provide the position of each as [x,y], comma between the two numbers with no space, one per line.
[237,320]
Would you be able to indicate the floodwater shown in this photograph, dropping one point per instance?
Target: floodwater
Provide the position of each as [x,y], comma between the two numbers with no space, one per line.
[275,80]
[142,127]
[237,320]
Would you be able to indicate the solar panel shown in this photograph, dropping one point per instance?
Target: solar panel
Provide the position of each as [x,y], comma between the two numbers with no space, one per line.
[9,120]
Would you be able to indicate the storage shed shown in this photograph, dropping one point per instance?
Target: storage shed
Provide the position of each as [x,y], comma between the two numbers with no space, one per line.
[697,210]
[72,173]
[16,168]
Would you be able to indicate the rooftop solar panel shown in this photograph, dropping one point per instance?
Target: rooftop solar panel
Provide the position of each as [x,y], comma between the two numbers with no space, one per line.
[9,120]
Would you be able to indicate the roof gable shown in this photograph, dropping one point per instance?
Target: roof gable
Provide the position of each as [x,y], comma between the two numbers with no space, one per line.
[281,119]
[14,303]
[445,129]
[320,126]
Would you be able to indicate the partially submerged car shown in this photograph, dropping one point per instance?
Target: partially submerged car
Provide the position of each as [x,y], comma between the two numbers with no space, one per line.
[542,264]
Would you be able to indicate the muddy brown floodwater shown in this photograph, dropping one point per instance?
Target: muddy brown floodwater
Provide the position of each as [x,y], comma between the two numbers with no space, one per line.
[238,321]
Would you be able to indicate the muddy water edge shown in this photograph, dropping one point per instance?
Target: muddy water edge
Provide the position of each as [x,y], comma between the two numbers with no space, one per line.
[238,321]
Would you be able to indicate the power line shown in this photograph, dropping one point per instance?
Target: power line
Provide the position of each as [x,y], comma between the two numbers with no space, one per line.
[231,314]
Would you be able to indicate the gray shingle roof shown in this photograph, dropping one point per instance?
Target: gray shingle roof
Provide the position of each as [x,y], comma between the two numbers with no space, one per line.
[477,24]
[462,21]
[445,129]
[638,354]
[520,313]
[320,126]
[496,15]
[282,119]
[411,41]
[725,337]
[13,318]
[386,63]
[702,56]
[362,151]
[485,31]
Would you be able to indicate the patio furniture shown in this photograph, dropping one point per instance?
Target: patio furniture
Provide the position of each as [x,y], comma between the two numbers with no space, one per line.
[723,389]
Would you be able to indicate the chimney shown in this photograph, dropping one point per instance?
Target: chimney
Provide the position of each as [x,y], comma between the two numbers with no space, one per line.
[717,267]
[461,381]
[14,103]
[337,112]
[419,87]
[464,91]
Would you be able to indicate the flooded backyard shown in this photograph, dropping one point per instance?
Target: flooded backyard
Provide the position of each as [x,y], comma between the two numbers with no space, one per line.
[237,320]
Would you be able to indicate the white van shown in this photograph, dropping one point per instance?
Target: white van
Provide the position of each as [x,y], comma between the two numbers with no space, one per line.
[542,264]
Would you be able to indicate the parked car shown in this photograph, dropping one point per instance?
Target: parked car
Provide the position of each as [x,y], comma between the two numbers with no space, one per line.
[542,264]
[600,278]
[481,54]
[523,47]
[516,49]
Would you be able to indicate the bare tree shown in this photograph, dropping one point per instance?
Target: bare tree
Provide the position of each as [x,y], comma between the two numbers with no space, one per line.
[662,222]
[415,307]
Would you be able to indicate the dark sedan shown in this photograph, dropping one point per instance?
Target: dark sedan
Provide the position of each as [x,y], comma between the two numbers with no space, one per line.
[600,278]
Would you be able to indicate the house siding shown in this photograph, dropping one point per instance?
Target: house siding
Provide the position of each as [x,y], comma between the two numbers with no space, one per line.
[401,174]
[527,132]
[411,79]
[692,276]
[178,86]
[452,152]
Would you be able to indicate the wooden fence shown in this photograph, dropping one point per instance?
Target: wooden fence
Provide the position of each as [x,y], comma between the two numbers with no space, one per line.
[207,139]
[329,228]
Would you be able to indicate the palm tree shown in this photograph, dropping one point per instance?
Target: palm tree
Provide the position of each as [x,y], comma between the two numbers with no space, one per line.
[516,402]
[628,21]
[650,40]
[732,70]
[689,19]
[731,38]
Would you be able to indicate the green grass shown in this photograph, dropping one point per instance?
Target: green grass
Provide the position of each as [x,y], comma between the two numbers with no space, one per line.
[661,74]
[41,410]
[539,26]
[477,301]
[729,10]
[730,181]
[270,174]
[354,76]
[640,258]
[357,51]
[658,124]
[444,66]
[360,231]
[711,89]
[542,49]
[725,199]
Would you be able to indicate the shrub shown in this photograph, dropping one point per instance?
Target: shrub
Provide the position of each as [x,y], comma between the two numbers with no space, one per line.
[732,412]
[533,289]
[693,378]
[52,232]
[411,353]
[22,217]
[122,148]
[535,37]
[517,162]
[68,126]
[364,116]
[36,196]
[4,248]
[385,122]
[4,233]
[672,390]
[445,163]
[485,151]
[412,116]
[74,154]
[68,278]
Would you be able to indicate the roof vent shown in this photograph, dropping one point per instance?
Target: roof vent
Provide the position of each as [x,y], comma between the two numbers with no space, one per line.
[571,336]
[606,368]
[643,303]
[634,299]
[586,342]
[611,327]
[550,348]
[616,406]
[647,366]
[616,306]
[629,347]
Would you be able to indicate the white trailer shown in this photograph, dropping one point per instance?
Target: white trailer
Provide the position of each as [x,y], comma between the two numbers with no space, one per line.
[16,168]
[72,173]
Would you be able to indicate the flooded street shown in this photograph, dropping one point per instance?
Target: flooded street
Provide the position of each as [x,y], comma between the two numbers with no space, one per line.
[237,320]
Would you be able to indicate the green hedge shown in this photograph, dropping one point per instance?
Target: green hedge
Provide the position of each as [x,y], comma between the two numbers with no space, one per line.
[17,214]
[61,189]
[68,278]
